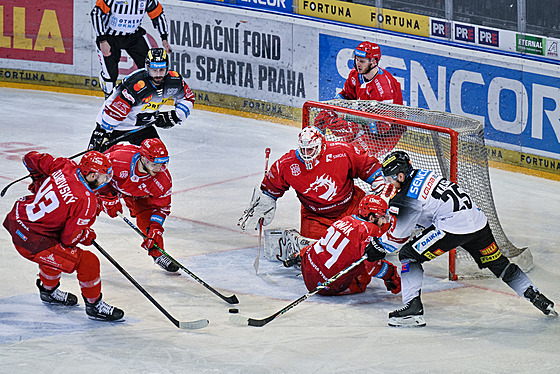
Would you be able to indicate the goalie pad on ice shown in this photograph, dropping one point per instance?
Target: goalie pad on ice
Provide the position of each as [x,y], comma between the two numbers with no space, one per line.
[261,206]
[280,244]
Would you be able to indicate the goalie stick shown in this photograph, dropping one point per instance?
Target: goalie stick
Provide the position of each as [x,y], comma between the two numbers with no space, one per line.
[228,299]
[190,325]
[240,320]
[257,259]
[109,144]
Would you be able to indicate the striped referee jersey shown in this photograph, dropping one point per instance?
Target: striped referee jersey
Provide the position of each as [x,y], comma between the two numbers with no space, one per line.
[123,17]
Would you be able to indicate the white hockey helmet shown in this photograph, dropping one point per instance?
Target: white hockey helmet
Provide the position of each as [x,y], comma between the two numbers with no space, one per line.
[311,145]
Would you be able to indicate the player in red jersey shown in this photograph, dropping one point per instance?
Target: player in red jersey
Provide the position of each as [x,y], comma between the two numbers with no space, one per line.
[367,81]
[322,174]
[47,226]
[345,241]
[142,179]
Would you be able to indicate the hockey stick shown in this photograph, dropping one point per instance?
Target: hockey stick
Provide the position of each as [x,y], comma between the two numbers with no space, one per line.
[192,325]
[257,259]
[109,143]
[228,299]
[240,320]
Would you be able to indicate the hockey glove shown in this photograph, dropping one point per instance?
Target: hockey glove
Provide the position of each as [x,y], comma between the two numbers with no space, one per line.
[382,189]
[111,204]
[87,236]
[146,119]
[167,120]
[37,179]
[392,279]
[375,250]
[262,207]
[154,237]
[98,139]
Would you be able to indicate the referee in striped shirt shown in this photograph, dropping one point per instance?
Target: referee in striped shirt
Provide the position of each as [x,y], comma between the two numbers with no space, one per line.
[117,27]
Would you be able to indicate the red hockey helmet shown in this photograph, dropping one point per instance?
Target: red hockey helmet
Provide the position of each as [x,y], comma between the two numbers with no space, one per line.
[311,145]
[93,162]
[154,150]
[368,50]
[372,204]
[96,162]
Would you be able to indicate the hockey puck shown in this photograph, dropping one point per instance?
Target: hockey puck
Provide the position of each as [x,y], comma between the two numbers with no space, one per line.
[233,310]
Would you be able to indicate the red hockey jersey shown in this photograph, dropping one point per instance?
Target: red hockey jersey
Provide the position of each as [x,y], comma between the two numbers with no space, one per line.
[61,210]
[328,188]
[343,244]
[383,87]
[127,181]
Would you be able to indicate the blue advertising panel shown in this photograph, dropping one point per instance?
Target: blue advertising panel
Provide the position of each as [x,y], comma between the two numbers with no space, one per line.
[284,6]
[517,105]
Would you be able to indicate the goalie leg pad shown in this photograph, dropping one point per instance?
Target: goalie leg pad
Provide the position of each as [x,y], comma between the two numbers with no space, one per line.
[290,243]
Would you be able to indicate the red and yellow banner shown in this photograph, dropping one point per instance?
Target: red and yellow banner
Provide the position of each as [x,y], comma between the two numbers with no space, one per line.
[37,30]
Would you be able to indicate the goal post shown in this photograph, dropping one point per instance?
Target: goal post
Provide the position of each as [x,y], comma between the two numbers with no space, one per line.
[449,144]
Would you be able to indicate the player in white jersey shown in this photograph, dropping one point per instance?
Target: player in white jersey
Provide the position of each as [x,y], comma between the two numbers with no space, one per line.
[449,218]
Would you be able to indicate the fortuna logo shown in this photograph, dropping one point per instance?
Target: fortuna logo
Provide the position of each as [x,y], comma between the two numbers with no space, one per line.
[324,181]
[295,170]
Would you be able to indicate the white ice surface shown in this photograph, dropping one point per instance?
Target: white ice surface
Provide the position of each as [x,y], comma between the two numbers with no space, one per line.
[473,327]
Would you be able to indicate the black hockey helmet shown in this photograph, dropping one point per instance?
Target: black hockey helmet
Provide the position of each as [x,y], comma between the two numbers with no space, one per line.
[397,162]
[157,58]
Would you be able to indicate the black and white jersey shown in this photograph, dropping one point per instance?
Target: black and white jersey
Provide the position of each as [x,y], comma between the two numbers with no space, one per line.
[123,17]
[427,199]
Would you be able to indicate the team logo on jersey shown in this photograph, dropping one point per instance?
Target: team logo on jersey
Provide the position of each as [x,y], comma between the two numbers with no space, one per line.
[323,182]
[128,96]
[123,174]
[138,86]
[172,91]
[173,73]
[295,170]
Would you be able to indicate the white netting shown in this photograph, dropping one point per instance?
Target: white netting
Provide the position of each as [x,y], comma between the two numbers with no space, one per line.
[380,128]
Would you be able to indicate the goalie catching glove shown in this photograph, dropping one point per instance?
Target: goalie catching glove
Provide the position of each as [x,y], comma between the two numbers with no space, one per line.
[262,207]
[166,120]
[382,189]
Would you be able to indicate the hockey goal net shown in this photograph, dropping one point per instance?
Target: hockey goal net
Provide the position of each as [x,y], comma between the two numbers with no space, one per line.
[448,144]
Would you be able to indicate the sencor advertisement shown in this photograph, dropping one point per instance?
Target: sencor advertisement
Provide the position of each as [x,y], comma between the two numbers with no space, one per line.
[518,102]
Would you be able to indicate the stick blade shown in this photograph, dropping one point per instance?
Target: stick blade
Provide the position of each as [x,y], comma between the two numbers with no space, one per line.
[231,299]
[194,325]
[239,320]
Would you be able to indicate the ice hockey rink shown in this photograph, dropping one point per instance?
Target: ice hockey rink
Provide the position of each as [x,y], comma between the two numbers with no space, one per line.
[476,326]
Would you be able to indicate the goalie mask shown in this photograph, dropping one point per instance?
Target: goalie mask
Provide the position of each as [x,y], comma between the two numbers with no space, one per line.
[98,163]
[397,162]
[372,204]
[157,65]
[154,155]
[311,145]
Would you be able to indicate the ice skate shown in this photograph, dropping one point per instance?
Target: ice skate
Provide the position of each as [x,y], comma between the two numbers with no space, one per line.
[293,261]
[101,311]
[540,301]
[165,263]
[411,315]
[55,296]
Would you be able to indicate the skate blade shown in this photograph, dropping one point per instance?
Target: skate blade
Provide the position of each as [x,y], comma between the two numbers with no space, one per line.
[552,312]
[409,321]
